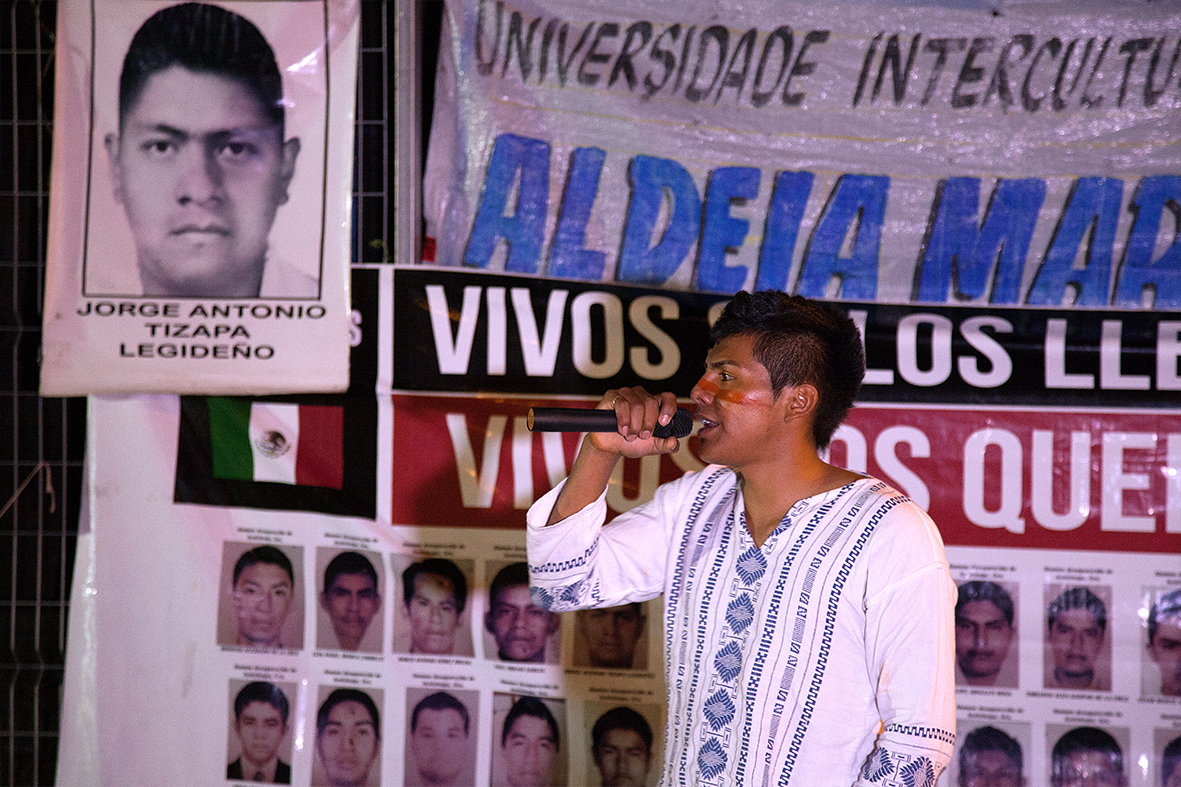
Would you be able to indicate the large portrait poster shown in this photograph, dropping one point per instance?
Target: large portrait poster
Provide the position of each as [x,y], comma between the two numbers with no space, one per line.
[200,197]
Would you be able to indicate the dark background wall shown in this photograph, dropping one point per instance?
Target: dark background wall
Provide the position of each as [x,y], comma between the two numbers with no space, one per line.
[42,441]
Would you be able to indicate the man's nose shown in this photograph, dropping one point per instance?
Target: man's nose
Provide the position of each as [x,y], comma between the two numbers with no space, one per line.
[201,177]
[703,391]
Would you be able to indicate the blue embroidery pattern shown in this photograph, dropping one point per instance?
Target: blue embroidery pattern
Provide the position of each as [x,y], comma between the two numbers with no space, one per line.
[751,566]
[919,772]
[878,766]
[740,613]
[719,710]
[728,661]
[711,759]
[923,732]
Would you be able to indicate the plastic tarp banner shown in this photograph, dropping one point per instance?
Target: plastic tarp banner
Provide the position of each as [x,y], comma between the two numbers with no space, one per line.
[862,151]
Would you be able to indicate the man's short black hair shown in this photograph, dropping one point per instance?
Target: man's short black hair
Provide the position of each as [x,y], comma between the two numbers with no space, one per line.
[1167,607]
[440,700]
[261,691]
[621,718]
[348,563]
[437,567]
[264,554]
[530,706]
[800,340]
[346,695]
[510,576]
[979,590]
[1078,598]
[1170,758]
[1085,739]
[206,39]
[989,738]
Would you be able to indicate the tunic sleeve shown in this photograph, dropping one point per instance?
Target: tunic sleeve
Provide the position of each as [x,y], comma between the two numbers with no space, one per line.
[910,650]
[580,562]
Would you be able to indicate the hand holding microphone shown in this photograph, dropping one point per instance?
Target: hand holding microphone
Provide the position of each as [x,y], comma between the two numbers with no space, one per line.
[581,419]
[642,414]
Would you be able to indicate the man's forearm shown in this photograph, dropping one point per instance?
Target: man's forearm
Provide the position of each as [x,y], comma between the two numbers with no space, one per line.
[587,480]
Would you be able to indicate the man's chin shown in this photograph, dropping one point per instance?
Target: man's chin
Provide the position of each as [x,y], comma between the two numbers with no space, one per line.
[192,274]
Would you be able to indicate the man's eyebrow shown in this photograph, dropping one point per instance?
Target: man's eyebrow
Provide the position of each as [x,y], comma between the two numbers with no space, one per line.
[164,128]
[719,362]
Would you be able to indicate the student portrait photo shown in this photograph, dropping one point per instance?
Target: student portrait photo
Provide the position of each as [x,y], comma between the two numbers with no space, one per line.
[348,615]
[260,743]
[611,637]
[433,616]
[262,599]
[989,756]
[1087,757]
[516,628]
[1162,675]
[348,738]
[622,744]
[441,738]
[985,641]
[528,747]
[1077,644]
[1169,761]
[200,128]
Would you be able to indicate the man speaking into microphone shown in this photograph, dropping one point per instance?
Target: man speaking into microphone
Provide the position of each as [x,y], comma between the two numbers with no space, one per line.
[809,610]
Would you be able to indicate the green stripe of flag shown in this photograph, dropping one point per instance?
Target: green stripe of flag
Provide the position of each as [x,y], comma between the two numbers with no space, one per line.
[229,434]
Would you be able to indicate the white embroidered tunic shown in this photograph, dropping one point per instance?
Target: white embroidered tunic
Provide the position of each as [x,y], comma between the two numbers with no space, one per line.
[823,657]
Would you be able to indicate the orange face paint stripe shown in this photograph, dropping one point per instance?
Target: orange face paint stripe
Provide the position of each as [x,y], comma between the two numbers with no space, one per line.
[713,390]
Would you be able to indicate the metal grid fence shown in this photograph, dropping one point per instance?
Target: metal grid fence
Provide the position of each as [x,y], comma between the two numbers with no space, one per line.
[42,440]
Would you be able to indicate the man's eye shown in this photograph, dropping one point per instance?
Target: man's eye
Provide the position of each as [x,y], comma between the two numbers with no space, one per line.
[158,147]
[237,150]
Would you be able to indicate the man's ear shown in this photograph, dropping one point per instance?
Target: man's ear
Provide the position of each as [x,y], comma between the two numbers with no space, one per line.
[111,143]
[801,400]
[554,621]
[324,600]
[488,623]
[289,154]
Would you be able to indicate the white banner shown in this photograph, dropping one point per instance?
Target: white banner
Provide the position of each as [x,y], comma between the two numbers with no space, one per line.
[860,151]
[373,566]
[199,217]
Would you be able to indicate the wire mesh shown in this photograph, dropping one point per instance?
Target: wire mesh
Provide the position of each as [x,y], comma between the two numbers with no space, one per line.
[42,441]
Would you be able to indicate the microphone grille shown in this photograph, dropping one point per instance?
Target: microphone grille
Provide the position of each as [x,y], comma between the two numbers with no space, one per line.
[680,425]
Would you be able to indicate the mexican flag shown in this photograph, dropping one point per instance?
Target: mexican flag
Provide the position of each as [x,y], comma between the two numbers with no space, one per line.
[280,442]
[280,454]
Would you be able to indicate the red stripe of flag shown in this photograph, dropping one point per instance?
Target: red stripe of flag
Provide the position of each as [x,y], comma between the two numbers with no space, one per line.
[320,460]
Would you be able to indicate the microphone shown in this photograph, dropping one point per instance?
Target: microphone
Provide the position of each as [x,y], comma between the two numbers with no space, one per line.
[582,419]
